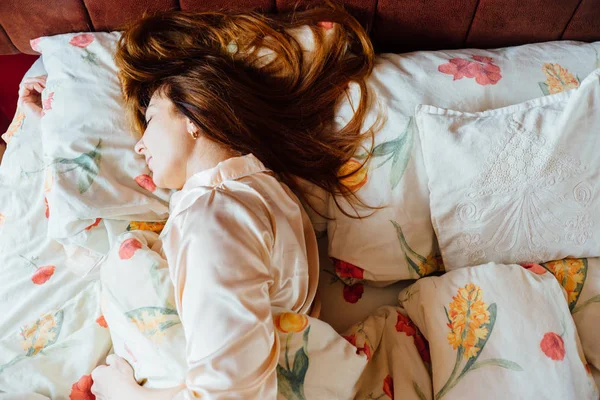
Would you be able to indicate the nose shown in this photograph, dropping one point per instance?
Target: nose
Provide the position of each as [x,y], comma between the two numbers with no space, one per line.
[140,148]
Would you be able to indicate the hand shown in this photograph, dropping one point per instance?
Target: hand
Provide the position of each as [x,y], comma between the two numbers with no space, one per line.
[30,96]
[115,380]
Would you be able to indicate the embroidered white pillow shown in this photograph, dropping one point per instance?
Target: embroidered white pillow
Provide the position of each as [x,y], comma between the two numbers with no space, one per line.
[517,184]
[398,241]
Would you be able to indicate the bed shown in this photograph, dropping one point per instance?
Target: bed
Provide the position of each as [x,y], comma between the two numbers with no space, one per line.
[52,244]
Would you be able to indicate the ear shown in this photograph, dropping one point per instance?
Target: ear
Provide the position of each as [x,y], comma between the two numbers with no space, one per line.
[191,127]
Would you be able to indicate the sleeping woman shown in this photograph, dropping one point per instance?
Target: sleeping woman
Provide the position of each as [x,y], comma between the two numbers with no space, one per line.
[234,114]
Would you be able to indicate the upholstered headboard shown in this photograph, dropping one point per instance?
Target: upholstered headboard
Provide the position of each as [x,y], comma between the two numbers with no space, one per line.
[394,25]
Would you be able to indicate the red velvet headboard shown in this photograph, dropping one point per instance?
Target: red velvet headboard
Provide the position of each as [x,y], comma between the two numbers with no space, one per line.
[394,25]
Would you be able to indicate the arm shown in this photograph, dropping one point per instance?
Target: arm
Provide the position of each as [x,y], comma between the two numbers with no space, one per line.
[219,252]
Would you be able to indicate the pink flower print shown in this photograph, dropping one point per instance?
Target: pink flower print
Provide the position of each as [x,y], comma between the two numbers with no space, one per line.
[483,59]
[535,268]
[42,274]
[327,25]
[82,40]
[146,182]
[457,67]
[47,104]
[34,43]
[482,69]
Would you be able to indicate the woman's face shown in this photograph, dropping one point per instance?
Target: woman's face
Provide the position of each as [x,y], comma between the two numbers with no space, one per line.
[167,143]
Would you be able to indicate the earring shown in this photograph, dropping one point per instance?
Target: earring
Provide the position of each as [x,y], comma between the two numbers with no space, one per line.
[194,134]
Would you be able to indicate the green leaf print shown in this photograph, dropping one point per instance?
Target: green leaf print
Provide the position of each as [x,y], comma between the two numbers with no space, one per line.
[498,362]
[161,284]
[595,299]
[36,337]
[290,382]
[397,151]
[153,321]
[417,263]
[471,322]
[87,163]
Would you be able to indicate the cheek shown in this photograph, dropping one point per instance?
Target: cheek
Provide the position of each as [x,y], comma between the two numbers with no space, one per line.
[170,153]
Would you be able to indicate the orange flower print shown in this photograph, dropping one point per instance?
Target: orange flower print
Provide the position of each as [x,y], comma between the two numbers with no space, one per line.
[102,321]
[47,212]
[558,79]
[553,346]
[47,103]
[2,220]
[353,175]
[388,386]
[96,222]
[14,126]
[571,274]
[43,274]
[128,248]
[290,322]
[82,40]
[34,43]
[146,182]
[346,270]
[353,293]
[535,268]
[82,389]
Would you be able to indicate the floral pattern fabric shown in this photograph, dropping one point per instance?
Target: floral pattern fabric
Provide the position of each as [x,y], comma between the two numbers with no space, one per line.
[468,317]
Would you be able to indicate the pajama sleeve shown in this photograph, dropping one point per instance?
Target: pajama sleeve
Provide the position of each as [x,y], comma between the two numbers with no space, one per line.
[219,251]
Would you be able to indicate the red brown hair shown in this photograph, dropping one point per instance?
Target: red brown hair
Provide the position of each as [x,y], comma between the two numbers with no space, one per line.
[281,108]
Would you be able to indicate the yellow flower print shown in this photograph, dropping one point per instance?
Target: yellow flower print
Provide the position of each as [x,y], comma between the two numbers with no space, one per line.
[153,321]
[558,79]
[468,314]
[471,322]
[353,175]
[41,334]
[290,322]
[571,274]
[156,227]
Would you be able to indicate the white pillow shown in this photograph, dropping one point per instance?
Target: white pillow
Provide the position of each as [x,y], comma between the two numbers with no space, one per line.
[88,148]
[468,79]
[499,332]
[517,184]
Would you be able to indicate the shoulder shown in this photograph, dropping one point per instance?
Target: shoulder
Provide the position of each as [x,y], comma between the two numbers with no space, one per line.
[225,213]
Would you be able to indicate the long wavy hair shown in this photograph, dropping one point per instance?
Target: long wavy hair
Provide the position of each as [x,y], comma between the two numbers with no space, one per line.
[247,83]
